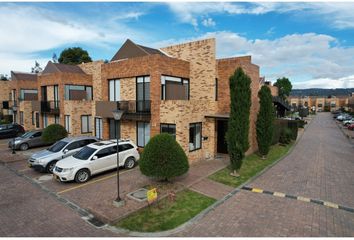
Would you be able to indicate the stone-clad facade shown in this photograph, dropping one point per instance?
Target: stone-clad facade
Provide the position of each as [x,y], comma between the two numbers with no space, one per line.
[184,86]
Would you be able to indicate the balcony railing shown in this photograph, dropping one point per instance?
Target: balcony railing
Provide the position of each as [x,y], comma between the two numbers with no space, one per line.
[50,107]
[133,110]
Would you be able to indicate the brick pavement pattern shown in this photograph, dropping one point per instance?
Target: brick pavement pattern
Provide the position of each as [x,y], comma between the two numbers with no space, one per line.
[321,166]
[26,211]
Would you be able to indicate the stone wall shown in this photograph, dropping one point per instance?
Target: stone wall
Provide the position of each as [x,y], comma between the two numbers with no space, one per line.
[75,109]
[26,108]
[128,89]
[94,69]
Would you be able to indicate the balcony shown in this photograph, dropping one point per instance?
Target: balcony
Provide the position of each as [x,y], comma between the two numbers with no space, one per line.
[51,107]
[133,110]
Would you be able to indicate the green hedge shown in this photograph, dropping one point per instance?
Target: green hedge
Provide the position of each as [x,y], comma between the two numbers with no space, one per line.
[281,124]
[53,133]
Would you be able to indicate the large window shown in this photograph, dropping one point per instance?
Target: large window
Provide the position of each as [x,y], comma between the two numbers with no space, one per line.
[143,93]
[78,92]
[56,119]
[114,90]
[98,128]
[21,117]
[37,119]
[114,129]
[67,123]
[168,128]
[28,94]
[85,123]
[174,88]
[195,136]
[45,120]
[143,133]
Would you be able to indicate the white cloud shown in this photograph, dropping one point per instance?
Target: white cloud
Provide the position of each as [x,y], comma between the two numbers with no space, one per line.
[336,14]
[345,82]
[297,56]
[27,30]
[208,22]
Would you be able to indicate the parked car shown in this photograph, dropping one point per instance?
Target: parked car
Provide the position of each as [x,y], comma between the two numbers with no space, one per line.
[28,140]
[44,161]
[96,158]
[11,130]
[343,117]
[348,122]
[351,127]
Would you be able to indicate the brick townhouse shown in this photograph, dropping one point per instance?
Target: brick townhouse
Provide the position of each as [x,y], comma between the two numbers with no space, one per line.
[320,103]
[181,89]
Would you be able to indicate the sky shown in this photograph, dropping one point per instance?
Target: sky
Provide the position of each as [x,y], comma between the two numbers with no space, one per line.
[312,44]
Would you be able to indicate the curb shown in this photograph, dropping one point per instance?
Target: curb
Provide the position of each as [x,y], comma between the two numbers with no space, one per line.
[208,209]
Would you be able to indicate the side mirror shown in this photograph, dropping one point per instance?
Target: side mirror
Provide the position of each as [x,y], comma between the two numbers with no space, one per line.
[94,158]
[65,151]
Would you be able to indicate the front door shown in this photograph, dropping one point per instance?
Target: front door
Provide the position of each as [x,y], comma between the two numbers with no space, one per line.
[221,132]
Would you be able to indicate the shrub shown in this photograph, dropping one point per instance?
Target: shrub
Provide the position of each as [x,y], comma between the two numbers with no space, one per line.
[293,126]
[285,136]
[53,133]
[265,121]
[163,158]
[301,123]
[238,124]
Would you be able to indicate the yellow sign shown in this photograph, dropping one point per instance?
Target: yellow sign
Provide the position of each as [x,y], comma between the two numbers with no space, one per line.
[151,195]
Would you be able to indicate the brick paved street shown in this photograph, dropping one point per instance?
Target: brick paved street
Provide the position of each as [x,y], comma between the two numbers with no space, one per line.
[27,211]
[321,166]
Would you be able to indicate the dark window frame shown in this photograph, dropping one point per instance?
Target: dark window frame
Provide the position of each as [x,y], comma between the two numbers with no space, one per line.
[201,138]
[100,126]
[37,120]
[33,122]
[216,89]
[163,87]
[89,130]
[21,118]
[65,122]
[137,133]
[168,125]
[85,89]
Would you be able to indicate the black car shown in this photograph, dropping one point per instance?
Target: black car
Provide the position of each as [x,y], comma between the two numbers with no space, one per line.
[11,130]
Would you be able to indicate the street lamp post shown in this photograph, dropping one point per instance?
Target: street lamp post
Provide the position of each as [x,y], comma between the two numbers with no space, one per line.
[117,114]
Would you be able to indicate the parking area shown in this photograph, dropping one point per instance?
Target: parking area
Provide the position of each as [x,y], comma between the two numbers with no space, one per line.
[97,195]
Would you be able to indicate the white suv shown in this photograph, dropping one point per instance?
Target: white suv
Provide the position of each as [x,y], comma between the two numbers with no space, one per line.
[96,158]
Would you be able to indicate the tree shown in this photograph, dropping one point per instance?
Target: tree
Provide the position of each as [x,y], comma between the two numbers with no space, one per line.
[37,68]
[265,120]
[53,133]
[55,58]
[284,87]
[238,125]
[163,158]
[3,77]
[73,56]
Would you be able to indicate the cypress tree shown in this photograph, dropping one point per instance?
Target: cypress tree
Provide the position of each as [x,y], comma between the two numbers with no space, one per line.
[238,125]
[265,120]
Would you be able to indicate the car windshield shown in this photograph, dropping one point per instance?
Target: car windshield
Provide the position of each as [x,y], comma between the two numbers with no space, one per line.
[84,153]
[56,147]
[27,135]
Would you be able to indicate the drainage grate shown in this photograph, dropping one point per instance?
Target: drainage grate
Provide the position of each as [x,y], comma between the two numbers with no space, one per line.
[138,195]
[96,222]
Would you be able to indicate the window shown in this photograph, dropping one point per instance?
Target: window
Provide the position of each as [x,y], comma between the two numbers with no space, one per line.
[114,129]
[125,147]
[67,123]
[73,145]
[37,119]
[106,152]
[78,92]
[174,88]
[114,90]
[37,134]
[143,133]
[28,94]
[21,117]
[143,93]
[45,120]
[195,136]
[216,89]
[98,128]
[85,123]
[56,119]
[33,118]
[168,128]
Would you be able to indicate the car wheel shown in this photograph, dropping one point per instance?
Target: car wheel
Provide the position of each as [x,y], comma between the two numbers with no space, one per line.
[129,163]
[83,175]
[50,166]
[24,146]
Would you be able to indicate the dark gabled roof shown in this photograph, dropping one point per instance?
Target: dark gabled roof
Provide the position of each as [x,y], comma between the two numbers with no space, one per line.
[130,50]
[59,67]
[23,76]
